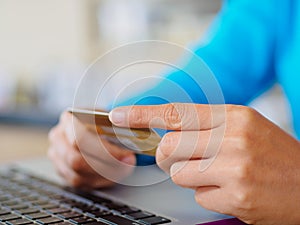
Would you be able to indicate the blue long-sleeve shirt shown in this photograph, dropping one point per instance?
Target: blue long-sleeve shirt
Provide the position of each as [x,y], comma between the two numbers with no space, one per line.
[250,46]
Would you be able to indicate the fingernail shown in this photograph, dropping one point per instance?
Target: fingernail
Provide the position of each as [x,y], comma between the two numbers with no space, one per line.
[130,160]
[117,116]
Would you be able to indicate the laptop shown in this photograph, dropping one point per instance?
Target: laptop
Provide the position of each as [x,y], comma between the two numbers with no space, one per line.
[32,193]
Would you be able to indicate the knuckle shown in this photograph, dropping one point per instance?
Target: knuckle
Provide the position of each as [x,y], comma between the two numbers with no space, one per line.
[243,200]
[76,181]
[177,178]
[247,117]
[75,162]
[159,156]
[163,162]
[160,161]
[243,172]
[53,134]
[202,200]
[168,143]
[77,135]
[176,175]
[65,116]
[137,116]
[172,116]
[243,141]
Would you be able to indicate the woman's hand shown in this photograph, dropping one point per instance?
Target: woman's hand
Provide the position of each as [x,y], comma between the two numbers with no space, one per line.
[82,159]
[238,162]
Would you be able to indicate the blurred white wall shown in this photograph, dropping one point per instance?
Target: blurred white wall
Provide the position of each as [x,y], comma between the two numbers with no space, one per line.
[34,33]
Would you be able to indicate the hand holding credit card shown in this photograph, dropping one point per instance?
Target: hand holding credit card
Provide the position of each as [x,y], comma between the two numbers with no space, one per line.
[141,141]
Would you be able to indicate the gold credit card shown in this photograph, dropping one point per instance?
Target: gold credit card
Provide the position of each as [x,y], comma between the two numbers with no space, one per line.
[139,140]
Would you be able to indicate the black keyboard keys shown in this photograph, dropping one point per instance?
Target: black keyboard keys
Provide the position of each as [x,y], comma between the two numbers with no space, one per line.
[140,215]
[28,211]
[10,216]
[82,220]
[59,210]
[38,215]
[155,220]
[4,212]
[49,220]
[21,221]
[69,215]
[128,210]
[119,220]
[25,199]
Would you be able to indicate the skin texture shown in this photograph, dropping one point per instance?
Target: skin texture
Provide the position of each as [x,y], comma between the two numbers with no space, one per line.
[253,172]
[66,150]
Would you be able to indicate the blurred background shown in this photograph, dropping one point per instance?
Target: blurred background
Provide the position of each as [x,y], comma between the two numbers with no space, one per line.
[46,46]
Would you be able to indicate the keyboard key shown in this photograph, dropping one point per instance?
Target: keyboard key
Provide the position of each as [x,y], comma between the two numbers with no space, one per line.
[59,210]
[82,220]
[114,205]
[100,213]
[30,198]
[140,215]
[128,210]
[28,211]
[89,208]
[40,202]
[49,220]
[69,215]
[119,220]
[10,216]
[38,215]
[4,212]
[19,222]
[96,223]
[50,206]
[78,205]
[94,198]
[60,198]
[65,223]
[155,220]
[10,203]
[19,206]
[99,200]
[4,198]
[21,193]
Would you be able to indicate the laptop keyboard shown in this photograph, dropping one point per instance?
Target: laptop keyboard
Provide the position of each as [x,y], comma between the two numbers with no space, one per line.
[26,199]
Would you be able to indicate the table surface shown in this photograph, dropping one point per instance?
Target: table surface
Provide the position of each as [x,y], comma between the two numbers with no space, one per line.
[22,142]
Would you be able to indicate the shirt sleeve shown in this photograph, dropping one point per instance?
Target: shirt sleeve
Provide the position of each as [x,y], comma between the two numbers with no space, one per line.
[238,49]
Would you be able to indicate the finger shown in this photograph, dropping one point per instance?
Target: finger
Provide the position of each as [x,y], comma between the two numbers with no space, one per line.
[69,122]
[90,143]
[184,145]
[100,183]
[189,145]
[82,178]
[213,198]
[69,155]
[174,116]
[70,176]
[188,174]
[94,162]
